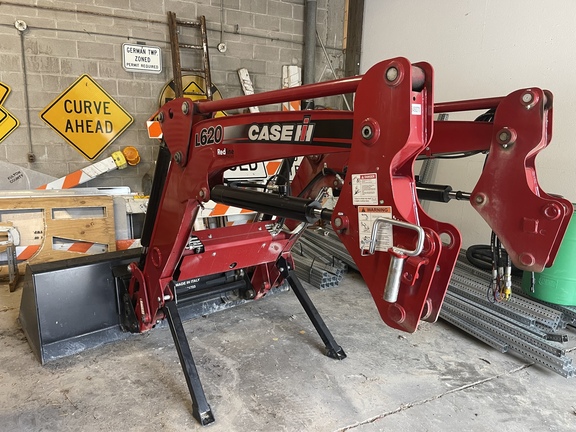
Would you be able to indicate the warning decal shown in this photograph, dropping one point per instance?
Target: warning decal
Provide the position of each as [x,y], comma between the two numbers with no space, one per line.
[365,189]
[367,215]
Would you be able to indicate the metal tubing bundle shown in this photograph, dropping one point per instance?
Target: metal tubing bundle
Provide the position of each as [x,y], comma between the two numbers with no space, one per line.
[316,263]
[316,273]
[328,244]
[522,326]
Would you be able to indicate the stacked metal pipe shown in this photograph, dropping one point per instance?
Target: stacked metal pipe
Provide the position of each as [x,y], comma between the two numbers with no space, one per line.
[317,264]
[522,326]
[326,242]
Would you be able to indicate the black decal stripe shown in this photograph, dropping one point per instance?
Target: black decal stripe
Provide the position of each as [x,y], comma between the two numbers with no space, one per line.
[328,129]
[315,141]
[333,140]
[327,133]
[344,144]
[334,129]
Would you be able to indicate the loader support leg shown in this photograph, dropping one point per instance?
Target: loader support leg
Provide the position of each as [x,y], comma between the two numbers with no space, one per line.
[333,350]
[200,408]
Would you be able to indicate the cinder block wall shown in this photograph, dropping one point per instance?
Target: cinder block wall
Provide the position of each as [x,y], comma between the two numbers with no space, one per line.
[67,39]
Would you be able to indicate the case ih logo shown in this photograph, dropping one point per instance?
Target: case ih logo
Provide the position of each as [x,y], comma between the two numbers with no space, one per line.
[282,132]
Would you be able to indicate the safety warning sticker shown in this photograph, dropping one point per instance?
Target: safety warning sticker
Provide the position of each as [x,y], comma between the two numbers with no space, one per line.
[365,189]
[367,215]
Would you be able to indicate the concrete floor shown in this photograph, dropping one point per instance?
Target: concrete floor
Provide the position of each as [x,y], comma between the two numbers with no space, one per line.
[262,370]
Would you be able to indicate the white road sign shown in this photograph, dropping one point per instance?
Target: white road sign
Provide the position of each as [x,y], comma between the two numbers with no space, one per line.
[141,58]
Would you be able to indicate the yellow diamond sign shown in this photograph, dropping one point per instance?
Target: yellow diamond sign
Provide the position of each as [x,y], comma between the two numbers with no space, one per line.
[87,117]
[193,88]
[7,121]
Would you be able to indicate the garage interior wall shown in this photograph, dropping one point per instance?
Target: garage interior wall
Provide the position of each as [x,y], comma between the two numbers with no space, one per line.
[67,39]
[485,48]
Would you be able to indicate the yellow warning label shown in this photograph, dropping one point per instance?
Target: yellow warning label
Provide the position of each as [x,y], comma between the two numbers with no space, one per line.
[87,117]
[8,123]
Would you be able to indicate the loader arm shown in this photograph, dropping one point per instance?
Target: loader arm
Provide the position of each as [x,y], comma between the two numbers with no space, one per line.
[374,148]
[366,157]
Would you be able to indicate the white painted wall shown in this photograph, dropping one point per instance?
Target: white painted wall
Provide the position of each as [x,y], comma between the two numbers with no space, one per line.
[483,48]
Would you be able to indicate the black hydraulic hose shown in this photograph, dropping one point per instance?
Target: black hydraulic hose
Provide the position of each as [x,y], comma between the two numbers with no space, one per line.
[284,172]
[488,116]
[247,184]
[480,256]
[317,177]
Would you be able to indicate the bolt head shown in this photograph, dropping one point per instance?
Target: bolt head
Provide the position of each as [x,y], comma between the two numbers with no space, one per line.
[527,97]
[504,136]
[479,199]
[367,132]
[185,108]
[338,222]
[161,117]
[391,74]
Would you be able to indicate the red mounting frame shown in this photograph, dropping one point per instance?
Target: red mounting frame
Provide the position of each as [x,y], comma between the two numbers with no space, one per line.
[391,125]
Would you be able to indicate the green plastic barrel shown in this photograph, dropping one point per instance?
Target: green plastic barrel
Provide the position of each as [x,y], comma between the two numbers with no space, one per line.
[557,284]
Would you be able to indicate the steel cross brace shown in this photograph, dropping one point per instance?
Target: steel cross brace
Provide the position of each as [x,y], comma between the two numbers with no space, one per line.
[333,350]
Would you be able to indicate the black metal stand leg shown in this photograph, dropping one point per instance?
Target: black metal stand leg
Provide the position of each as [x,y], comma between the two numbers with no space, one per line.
[200,408]
[333,350]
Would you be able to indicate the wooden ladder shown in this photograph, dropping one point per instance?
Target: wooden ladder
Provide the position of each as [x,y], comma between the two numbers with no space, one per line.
[176,46]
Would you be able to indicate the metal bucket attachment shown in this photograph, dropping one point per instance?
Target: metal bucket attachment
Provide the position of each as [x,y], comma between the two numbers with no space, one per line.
[69,306]
[73,305]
